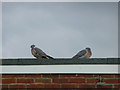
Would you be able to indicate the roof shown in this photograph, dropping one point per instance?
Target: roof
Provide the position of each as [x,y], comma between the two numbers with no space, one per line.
[59,61]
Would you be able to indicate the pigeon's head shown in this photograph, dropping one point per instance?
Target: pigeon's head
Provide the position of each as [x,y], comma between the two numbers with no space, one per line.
[32,46]
[88,48]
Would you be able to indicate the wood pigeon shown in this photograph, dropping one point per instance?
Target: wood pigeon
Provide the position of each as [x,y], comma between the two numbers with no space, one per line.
[86,53]
[38,53]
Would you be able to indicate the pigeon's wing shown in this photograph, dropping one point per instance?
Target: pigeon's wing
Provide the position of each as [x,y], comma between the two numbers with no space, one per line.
[39,52]
[80,54]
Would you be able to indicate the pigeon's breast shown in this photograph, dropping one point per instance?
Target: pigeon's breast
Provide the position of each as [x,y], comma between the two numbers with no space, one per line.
[33,53]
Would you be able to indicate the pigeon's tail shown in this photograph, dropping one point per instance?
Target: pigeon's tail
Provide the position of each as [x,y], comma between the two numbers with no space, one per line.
[50,57]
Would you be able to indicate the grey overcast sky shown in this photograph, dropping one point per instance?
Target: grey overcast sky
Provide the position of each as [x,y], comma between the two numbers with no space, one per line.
[60,29]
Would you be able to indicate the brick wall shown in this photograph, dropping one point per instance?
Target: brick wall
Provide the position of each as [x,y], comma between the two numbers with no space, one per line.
[60,81]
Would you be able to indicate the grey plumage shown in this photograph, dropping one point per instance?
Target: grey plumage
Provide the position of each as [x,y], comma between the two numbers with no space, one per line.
[80,54]
[38,53]
[86,53]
